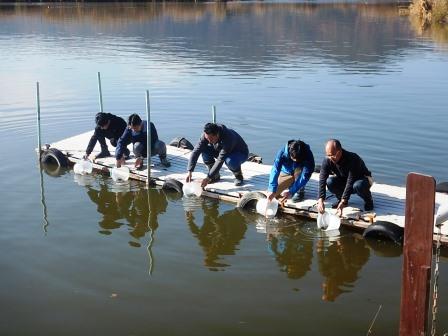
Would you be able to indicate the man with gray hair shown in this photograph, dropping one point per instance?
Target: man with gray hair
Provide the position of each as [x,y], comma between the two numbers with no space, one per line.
[349,176]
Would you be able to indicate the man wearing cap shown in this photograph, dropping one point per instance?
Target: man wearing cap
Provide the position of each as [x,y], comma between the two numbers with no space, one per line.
[291,171]
[349,176]
[223,144]
[107,126]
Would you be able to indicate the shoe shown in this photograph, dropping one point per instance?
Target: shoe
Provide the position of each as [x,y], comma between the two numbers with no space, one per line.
[164,162]
[368,206]
[335,204]
[103,154]
[298,196]
[138,163]
[239,179]
[215,178]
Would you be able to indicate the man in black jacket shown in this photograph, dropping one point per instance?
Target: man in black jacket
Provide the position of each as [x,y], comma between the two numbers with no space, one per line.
[223,144]
[107,126]
[350,176]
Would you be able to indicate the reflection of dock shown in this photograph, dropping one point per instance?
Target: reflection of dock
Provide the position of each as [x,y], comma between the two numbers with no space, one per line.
[389,200]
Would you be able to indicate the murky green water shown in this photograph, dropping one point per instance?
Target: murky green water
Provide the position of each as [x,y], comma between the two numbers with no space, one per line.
[86,256]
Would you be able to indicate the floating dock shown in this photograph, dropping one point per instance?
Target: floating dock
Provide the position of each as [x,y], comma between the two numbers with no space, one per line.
[389,200]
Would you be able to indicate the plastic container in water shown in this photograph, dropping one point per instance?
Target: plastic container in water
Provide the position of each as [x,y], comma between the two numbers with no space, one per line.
[83,167]
[267,208]
[119,174]
[192,189]
[328,221]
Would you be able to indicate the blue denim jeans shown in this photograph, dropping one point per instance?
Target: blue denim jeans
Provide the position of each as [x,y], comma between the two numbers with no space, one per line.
[159,148]
[361,187]
[233,161]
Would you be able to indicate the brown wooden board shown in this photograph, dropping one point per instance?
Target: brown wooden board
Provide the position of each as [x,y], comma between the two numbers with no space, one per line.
[417,254]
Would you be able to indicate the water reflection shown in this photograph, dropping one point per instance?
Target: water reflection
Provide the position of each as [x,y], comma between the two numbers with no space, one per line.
[246,38]
[340,263]
[137,209]
[219,235]
[293,251]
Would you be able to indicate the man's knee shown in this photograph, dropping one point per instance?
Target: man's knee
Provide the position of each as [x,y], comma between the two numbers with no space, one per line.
[159,148]
[361,186]
[139,149]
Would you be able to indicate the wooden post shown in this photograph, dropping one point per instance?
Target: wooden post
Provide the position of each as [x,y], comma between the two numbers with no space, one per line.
[417,254]
[148,137]
[100,92]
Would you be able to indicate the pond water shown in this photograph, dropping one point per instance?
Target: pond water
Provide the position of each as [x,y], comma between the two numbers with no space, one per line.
[84,255]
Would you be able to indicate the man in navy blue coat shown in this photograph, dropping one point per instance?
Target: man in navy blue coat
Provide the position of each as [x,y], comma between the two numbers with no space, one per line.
[223,144]
[137,133]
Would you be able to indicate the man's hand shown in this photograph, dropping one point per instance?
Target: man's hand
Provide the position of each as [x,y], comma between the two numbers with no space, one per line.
[284,196]
[205,182]
[120,162]
[321,205]
[188,178]
[340,207]
[86,156]
[270,195]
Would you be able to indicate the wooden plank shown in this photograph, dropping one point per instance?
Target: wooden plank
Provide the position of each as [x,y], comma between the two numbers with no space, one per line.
[417,254]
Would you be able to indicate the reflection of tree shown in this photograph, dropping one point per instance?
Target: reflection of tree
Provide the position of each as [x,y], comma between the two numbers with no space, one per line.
[240,36]
[219,234]
[340,264]
[293,252]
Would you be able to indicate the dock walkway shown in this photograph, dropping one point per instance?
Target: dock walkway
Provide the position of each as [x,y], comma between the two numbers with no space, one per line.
[389,200]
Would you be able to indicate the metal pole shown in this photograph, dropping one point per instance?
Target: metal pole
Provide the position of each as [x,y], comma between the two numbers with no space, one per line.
[214,114]
[39,144]
[148,137]
[100,92]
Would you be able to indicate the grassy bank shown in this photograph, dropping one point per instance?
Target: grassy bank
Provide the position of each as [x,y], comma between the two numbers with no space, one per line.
[430,11]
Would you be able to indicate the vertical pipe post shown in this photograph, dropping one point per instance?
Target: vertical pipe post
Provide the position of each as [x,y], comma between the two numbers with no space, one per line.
[148,137]
[214,114]
[39,143]
[417,254]
[100,92]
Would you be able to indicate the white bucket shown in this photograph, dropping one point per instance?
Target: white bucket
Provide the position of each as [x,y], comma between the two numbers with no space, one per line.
[328,221]
[119,174]
[192,189]
[83,167]
[266,208]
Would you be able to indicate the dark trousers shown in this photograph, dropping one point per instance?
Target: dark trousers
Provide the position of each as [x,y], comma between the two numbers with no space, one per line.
[361,187]
[139,149]
[233,161]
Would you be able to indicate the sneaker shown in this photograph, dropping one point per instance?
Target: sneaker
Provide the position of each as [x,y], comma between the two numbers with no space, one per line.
[239,179]
[138,163]
[215,178]
[368,206]
[238,182]
[103,154]
[164,162]
[298,196]
[335,204]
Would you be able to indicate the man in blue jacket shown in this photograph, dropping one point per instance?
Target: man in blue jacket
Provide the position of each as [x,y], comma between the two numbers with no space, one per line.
[292,169]
[137,133]
[223,144]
